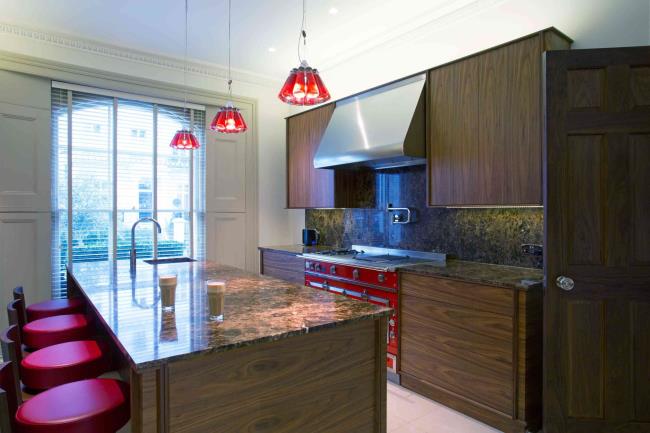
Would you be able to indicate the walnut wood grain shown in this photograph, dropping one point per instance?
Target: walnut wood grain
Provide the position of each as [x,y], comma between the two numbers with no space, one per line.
[473,347]
[330,381]
[282,265]
[484,131]
[597,160]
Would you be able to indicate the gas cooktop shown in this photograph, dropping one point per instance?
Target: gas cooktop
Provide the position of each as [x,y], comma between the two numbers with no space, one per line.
[375,257]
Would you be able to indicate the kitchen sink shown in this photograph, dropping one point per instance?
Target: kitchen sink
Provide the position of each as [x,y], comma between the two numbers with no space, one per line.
[169,260]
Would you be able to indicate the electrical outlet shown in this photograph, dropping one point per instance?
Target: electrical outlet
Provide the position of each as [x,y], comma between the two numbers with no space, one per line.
[532,249]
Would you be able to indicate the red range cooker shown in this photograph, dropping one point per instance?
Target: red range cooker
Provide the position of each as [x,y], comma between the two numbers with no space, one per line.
[366,274]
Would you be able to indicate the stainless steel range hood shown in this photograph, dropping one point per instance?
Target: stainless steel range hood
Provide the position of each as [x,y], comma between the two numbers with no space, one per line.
[382,128]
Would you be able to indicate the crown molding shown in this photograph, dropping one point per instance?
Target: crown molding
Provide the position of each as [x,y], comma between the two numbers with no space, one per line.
[429,22]
[126,54]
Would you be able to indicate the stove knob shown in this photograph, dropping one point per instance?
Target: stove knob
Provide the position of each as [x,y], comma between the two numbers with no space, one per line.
[307,265]
[317,267]
[381,278]
[333,270]
[355,274]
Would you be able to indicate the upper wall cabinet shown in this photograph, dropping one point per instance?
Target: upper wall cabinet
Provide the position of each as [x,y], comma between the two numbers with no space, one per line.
[485,125]
[309,187]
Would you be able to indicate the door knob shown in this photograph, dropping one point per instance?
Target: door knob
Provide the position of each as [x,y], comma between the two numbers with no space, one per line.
[564,283]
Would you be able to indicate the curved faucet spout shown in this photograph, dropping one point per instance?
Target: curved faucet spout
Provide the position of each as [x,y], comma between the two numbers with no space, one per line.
[132,255]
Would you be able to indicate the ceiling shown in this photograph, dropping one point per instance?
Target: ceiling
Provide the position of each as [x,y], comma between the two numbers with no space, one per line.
[157,26]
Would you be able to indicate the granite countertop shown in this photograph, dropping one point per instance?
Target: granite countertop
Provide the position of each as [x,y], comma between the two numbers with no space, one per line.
[257,309]
[296,249]
[475,272]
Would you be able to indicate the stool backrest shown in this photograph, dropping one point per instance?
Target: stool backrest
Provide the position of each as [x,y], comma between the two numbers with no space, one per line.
[8,397]
[19,295]
[12,352]
[16,313]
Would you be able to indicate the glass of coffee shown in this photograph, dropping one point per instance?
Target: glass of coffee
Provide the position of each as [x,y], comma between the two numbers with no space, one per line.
[216,293]
[167,285]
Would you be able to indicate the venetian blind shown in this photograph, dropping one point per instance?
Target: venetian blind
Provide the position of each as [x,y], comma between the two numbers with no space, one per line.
[112,165]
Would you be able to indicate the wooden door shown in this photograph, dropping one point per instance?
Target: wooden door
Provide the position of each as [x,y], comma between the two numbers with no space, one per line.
[597,178]
[307,186]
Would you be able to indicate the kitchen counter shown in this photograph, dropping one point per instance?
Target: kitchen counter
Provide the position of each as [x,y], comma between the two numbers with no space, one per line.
[296,249]
[475,272]
[286,357]
[257,309]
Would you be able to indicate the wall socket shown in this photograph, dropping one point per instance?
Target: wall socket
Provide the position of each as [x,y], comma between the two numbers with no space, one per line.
[532,249]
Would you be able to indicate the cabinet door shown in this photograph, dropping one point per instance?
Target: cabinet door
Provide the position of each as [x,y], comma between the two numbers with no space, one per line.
[226,234]
[510,123]
[453,135]
[284,266]
[307,186]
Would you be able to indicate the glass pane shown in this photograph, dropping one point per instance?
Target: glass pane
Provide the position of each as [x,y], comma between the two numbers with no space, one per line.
[135,157]
[92,119]
[174,240]
[173,164]
[90,235]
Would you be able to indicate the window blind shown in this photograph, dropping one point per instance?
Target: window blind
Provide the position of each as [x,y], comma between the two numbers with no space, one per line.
[112,165]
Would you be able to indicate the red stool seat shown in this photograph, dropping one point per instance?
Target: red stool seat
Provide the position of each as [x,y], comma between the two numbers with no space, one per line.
[55,307]
[87,406]
[55,330]
[63,363]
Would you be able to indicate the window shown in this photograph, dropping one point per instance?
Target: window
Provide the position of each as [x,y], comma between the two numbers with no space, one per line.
[112,165]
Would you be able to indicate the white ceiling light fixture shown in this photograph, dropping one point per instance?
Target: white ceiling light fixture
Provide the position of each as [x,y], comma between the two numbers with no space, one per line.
[333,11]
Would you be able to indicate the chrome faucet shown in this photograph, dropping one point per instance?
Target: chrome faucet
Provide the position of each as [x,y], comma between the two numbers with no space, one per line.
[133,255]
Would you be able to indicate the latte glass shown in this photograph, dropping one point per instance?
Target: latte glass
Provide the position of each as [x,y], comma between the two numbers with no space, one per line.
[216,294]
[167,285]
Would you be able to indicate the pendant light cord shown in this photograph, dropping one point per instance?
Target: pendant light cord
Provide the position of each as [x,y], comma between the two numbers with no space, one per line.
[302,36]
[229,71]
[185,66]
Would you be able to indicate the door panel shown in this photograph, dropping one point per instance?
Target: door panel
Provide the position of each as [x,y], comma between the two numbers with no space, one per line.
[597,202]
[226,234]
[24,158]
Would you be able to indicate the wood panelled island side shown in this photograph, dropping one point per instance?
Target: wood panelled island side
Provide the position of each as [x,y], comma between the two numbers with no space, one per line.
[286,358]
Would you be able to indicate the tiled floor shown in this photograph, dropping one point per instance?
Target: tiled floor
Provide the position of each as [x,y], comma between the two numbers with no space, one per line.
[409,412]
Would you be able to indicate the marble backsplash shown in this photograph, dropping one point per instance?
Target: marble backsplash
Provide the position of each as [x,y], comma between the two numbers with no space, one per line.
[490,235]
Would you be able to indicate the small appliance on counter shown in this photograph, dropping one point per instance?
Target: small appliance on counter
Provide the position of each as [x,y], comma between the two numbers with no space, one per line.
[310,237]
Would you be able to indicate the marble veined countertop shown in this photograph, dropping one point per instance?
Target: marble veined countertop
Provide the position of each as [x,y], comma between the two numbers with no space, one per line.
[257,309]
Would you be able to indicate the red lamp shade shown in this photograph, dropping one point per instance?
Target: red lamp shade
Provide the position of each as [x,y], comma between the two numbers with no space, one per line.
[228,120]
[304,87]
[184,139]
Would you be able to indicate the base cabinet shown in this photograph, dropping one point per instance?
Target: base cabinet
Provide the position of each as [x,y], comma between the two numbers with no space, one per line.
[283,265]
[475,348]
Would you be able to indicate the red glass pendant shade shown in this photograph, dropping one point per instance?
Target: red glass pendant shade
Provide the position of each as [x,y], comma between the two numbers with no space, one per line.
[184,139]
[229,120]
[304,87]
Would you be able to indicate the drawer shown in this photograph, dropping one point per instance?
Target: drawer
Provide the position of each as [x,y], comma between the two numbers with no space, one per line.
[468,295]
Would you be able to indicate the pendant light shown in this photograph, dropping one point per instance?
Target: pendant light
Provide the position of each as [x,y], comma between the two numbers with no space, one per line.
[304,85]
[229,119]
[185,138]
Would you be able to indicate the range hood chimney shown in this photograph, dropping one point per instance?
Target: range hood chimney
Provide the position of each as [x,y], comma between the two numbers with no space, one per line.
[381,128]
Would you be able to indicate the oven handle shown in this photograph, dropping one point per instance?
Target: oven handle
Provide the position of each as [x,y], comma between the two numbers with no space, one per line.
[345,292]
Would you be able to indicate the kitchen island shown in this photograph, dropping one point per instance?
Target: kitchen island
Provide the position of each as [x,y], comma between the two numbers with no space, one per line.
[286,358]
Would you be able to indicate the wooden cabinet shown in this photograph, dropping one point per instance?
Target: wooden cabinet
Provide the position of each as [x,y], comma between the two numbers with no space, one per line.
[475,348]
[309,187]
[485,118]
[283,265]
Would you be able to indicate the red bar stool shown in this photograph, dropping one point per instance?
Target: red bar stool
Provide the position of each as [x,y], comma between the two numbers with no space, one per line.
[50,330]
[91,405]
[54,365]
[54,307]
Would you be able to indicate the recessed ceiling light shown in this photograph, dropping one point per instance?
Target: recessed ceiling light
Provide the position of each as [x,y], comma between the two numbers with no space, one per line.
[271,49]
[334,11]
